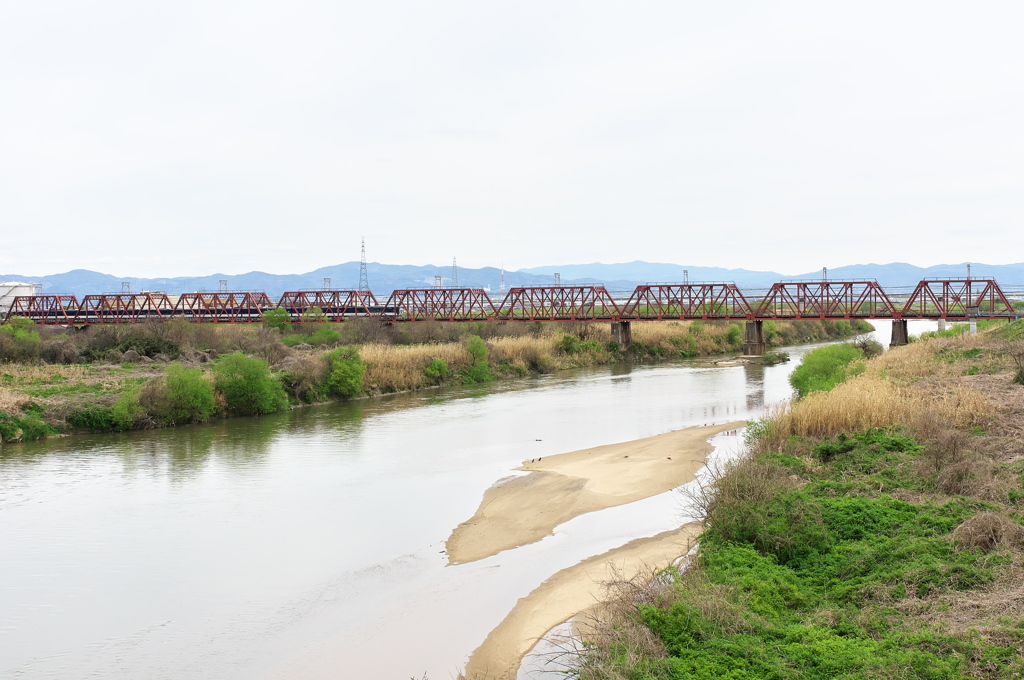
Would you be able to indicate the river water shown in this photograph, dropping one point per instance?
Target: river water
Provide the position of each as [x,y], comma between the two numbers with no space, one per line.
[309,544]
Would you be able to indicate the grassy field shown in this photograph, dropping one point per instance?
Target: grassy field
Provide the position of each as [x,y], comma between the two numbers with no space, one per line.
[872,530]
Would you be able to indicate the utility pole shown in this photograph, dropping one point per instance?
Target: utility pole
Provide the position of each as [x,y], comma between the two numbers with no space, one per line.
[364,282]
[455,273]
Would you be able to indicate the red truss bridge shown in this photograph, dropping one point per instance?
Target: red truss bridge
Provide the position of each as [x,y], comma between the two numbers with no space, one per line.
[438,304]
[950,299]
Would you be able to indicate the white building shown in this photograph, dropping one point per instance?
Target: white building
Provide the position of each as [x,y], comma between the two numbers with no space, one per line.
[12,289]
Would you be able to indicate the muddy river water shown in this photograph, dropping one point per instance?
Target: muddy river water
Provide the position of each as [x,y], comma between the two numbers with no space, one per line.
[309,544]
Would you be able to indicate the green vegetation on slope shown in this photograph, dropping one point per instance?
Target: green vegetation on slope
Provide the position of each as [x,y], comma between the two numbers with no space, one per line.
[889,552]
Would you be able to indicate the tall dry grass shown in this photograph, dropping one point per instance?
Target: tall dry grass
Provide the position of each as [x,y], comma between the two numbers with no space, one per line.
[10,401]
[31,373]
[526,353]
[869,400]
[394,368]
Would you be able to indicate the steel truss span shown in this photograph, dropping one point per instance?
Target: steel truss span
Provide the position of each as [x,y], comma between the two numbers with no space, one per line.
[822,299]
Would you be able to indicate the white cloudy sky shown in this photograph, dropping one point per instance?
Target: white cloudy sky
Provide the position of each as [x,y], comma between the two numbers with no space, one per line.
[188,137]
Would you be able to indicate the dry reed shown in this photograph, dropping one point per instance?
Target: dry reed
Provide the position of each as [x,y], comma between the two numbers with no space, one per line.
[869,400]
[30,373]
[10,401]
[393,368]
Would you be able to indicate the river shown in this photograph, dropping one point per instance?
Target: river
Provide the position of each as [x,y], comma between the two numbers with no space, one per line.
[309,544]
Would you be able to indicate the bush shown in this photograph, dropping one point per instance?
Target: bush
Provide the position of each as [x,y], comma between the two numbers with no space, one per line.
[324,336]
[149,345]
[276,318]
[127,412]
[438,370]
[26,428]
[92,418]
[248,386]
[824,368]
[293,339]
[18,342]
[569,344]
[305,377]
[345,371]
[184,395]
[732,336]
[478,371]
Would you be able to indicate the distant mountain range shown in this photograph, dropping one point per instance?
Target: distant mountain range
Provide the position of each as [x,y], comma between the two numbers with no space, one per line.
[617,277]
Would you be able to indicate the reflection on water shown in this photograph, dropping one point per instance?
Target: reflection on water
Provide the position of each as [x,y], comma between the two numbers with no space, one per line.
[302,543]
[755,385]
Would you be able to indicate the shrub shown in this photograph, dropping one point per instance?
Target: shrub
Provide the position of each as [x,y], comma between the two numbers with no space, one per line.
[732,336]
[276,318]
[18,342]
[92,418]
[569,344]
[293,339]
[345,371]
[478,371]
[824,368]
[127,412]
[184,395]
[305,377]
[149,345]
[437,370]
[324,336]
[60,350]
[248,386]
[26,428]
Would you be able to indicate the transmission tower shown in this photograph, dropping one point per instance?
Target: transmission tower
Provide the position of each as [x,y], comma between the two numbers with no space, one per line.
[364,282]
[455,273]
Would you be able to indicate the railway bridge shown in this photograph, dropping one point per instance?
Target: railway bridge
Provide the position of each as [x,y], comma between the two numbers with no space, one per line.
[956,299]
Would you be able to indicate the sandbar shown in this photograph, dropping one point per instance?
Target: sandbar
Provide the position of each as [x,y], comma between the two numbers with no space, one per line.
[524,509]
[569,592]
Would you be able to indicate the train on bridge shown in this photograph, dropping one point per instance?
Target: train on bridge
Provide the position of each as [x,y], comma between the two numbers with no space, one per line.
[954,299]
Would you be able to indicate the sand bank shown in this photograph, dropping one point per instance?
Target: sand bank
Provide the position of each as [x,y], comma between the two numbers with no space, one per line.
[568,593]
[525,509]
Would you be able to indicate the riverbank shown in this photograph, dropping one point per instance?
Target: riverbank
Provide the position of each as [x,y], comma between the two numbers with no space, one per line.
[874,529]
[116,378]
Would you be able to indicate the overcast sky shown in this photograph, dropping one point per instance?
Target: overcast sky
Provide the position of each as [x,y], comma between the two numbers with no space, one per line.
[184,138]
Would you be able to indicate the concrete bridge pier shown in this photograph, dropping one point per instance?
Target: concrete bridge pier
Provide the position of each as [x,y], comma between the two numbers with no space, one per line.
[899,333]
[942,324]
[622,334]
[753,339]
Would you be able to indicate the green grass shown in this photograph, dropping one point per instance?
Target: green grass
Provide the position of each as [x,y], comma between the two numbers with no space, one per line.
[803,581]
[1012,331]
[63,388]
[825,367]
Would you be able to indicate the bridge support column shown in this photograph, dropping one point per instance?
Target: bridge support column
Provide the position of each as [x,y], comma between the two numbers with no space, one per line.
[753,339]
[899,333]
[942,324]
[972,315]
[622,334]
